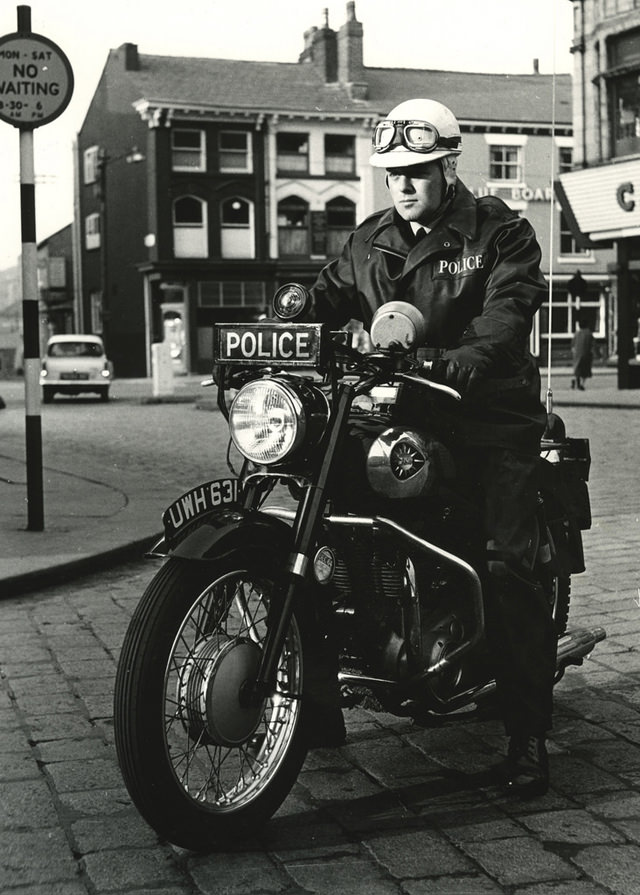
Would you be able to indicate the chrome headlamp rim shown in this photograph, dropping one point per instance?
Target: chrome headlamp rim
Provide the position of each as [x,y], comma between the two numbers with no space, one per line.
[297,413]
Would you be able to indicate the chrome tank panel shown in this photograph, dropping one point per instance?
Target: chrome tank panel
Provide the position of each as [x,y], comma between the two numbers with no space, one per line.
[400,464]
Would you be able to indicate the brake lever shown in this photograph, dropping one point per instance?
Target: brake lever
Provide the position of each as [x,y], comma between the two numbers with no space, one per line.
[436,386]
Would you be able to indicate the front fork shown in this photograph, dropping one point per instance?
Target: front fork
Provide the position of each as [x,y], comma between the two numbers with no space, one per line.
[308,519]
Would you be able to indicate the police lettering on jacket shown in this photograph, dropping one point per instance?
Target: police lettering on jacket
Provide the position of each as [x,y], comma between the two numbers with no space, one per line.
[455,266]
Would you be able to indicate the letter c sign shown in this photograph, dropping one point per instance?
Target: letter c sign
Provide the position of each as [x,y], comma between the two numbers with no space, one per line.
[622,192]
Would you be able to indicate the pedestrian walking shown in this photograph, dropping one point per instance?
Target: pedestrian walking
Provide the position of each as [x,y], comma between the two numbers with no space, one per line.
[582,353]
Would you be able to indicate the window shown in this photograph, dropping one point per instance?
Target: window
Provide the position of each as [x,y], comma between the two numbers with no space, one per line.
[339,154]
[188,150]
[625,109]
[92,231]
[90,164]
[505,163]
[190,228]
[231,294]
[237,232]
[565,159]
[568,244]
[234,148]
[615,7]
[293,227]
[341,220]
[96,313]
[567,310]
[624,92]
[292,152]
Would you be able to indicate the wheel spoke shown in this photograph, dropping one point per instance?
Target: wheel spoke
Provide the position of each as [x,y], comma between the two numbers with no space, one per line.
[232,610]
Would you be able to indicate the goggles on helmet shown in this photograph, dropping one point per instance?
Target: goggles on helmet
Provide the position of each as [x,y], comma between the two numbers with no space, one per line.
[417,136]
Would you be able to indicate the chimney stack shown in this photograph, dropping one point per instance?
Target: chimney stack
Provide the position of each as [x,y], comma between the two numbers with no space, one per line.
[321,51]
[350,55]
[536,66]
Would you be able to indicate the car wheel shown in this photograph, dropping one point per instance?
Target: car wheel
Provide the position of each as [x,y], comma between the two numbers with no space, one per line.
[47,394]
[104,394]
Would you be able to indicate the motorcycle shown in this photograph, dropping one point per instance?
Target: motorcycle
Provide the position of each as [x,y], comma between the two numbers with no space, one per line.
[369,559]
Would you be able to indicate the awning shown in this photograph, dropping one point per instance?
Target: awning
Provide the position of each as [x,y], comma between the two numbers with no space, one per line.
[602,202]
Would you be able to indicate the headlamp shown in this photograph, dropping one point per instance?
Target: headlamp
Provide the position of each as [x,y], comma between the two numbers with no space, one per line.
[266,421]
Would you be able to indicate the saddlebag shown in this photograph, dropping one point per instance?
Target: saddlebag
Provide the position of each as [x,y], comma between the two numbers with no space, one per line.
[565,473]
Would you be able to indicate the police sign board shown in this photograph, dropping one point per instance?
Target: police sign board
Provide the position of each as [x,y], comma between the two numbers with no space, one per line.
[36,80]
[262,344]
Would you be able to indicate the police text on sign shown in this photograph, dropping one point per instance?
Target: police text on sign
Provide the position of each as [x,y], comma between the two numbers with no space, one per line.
[284,344]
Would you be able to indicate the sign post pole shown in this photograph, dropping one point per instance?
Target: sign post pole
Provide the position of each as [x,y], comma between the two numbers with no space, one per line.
[36,84]
[31,336]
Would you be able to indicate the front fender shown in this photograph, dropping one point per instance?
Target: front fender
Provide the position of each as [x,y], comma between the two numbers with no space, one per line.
[224,530]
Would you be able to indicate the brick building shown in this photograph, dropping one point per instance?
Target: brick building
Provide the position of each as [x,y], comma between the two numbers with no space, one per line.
[203,184]
[599,195]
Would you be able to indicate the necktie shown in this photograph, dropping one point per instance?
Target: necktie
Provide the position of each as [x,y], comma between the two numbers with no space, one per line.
[420,234]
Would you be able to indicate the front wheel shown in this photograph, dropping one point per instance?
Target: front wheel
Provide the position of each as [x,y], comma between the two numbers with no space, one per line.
[203,763]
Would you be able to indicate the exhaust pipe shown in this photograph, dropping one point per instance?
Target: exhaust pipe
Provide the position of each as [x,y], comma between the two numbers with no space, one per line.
[575,645]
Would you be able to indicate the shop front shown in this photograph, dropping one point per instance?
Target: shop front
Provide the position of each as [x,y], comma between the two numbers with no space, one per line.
[603,204]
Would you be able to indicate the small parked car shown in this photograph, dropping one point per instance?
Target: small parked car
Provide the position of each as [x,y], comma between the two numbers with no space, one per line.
[74,364]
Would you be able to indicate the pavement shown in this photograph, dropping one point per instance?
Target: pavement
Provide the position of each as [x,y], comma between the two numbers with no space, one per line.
[31,560]
[401,809]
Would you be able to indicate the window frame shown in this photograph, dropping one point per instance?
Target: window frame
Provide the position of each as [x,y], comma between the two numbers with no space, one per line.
[506,164]
[92,231]
[280,154]
[227,227]
[565,233]
[301,204]
[90,165]
[200,152]
[186,226]
[248,152]
[350,156]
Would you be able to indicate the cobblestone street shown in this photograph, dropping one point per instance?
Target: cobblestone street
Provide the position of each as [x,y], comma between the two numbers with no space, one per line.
[399,809]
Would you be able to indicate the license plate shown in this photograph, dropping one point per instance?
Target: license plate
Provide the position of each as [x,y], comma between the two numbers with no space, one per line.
[74,376]
[263,344]
[198,502]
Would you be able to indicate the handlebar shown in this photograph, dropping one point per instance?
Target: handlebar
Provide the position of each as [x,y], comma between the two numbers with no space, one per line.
[428,383]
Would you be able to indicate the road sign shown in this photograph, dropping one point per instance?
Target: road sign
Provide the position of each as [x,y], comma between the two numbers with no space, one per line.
[36,80]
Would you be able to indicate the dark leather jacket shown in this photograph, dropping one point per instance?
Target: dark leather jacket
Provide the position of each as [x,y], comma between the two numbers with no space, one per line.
[477,281]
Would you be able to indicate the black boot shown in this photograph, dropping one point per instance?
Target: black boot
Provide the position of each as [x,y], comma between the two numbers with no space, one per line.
[527,767]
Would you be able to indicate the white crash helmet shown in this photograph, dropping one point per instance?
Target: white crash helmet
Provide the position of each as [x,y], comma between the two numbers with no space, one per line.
[415,132]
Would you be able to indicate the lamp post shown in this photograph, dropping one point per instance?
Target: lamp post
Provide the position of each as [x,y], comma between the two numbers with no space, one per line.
[132,157]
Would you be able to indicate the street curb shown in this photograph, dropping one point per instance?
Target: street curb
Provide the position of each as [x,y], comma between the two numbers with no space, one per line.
[19,585]
[600,405]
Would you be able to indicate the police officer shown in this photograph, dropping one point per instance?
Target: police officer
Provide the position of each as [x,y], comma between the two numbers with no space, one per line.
[471,266]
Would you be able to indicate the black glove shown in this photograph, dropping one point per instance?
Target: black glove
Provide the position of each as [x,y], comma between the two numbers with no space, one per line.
[465,367]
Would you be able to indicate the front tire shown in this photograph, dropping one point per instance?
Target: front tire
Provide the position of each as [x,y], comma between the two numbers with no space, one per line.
[201,764]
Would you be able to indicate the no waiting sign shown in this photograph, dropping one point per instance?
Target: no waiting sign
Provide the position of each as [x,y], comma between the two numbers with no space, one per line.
[36,80]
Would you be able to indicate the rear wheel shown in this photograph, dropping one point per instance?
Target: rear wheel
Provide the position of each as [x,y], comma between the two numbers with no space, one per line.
[203,763]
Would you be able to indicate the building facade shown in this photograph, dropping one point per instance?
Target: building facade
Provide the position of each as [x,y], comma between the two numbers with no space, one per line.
[203,184]
[55,283]
[600,193]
